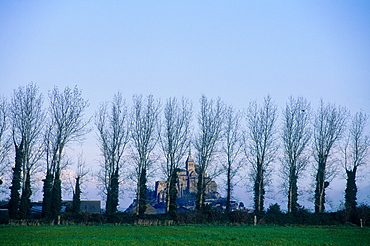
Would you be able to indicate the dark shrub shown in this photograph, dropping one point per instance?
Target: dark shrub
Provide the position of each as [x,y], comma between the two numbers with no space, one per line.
[362,213]
[274,215]
[240,217]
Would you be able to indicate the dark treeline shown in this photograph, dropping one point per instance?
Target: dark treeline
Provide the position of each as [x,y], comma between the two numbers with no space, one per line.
[157,135]
[273,216]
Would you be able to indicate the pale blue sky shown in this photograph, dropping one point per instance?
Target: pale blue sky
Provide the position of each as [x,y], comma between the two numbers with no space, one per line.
[238,50]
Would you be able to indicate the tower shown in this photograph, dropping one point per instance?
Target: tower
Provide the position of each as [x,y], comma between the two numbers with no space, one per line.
[189,164]
[191,173]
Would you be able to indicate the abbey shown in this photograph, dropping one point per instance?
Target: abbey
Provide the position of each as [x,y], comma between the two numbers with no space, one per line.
[187,186]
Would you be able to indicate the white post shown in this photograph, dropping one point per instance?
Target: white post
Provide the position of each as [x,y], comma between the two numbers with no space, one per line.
[255,220]
[361,223]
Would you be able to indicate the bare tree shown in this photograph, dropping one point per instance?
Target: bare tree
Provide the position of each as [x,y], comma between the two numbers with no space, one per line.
[27,117]
[296,134]
[355,152]
[66,125]
[210,120]
[144,136]
[5,144]
[113,135]
[261,146]
[81,173]
[174,139]
[232,145]
[328,128]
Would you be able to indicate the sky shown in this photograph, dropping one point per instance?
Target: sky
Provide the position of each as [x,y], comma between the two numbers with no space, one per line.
[237,50]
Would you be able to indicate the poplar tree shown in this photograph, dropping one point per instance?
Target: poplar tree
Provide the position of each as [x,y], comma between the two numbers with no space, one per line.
[327,130]
[144,137]
[296,133]
[355,152]
[231,148]
[66,124]
[210,121]
[261,146]
[5,143]
[27,118]
[174,139]
[111,121]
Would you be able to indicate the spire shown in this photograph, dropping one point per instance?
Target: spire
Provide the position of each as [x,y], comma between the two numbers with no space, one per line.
[190,158]
[189,164]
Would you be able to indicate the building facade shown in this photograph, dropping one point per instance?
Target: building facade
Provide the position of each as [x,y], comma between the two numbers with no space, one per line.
[187,186]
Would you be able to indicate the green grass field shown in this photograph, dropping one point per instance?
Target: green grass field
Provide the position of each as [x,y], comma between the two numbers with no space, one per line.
[182,235]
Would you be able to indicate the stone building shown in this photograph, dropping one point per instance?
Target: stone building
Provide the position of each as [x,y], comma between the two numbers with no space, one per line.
[187,186]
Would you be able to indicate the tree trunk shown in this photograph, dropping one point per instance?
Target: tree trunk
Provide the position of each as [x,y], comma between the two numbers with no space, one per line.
[293,193]
[114,192]
[228,196]
[16,182]
[25,204]
[46,202]
[200,192]
[142,192]
[108,205]
[259,191]
[351,190]
[320,189]
[112,195]
[76,197]
[56,197]
[172,204]
[168,193]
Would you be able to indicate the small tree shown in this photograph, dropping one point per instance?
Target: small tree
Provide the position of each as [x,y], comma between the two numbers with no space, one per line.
[80,175]
[76,202]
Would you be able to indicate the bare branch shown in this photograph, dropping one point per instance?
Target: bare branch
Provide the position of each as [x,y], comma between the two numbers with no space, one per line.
[113,136]
[5,143]
[66,124]
[329,125]
[355,151]
[144,136]
[295,136]
[174,139]
[210,120]
[231,148]
[174,136]
[27,117]
[261,145]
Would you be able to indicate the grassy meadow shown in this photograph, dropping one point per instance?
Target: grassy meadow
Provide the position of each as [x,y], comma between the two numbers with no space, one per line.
[182,235]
